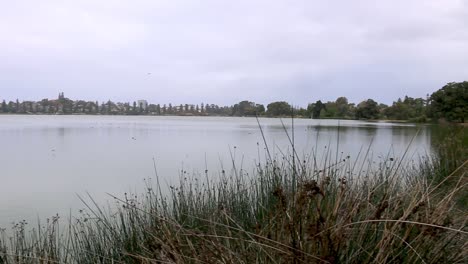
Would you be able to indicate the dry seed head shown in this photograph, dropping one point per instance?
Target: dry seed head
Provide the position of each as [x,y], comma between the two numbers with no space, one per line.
[311,188]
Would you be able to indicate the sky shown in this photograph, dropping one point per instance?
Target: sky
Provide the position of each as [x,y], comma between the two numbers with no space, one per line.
[223,52]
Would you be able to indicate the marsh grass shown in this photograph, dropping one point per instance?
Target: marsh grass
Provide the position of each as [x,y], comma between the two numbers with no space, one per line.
[287,210]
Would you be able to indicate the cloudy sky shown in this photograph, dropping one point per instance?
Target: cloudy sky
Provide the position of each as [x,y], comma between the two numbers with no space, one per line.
[216,51]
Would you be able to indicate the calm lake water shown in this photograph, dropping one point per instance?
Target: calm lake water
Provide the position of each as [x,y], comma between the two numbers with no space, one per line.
[46,161]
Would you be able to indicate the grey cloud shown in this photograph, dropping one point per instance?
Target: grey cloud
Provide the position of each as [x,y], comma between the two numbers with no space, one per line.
[225,51]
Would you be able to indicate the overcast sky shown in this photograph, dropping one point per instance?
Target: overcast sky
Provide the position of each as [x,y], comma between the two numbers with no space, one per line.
[222,52]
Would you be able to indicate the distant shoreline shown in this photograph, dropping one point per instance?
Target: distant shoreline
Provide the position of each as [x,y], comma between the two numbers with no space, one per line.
[465,124]
[261,116]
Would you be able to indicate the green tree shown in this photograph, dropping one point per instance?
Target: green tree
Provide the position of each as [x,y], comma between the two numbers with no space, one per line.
[300,112]
[260,109]
[450,102]
[398,111]
[367,110]
[278,109]
[11,107]
[342,107]
[330,110]
[245,108]
[315,109]
[407,109]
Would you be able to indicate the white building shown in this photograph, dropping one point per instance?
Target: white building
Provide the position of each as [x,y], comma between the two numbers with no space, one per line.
[143,104]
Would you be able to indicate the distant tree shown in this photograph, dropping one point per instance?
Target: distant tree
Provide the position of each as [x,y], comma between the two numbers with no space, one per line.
[30,107]
[367,110]
[158,109]
[330,110]
[79,106]
[351,110]
[245,108]
[278,109]
[225,110]
[310,109]
[4,107]
[11,107]
[169,109]
[151,109]
[450,102]
[315,109]
[260,109]
[382,107]
[398,111]
[300,112]
[109,107]
[126,108]
[93,106]
[44,105]
[342,107]
[65,104]
[407,109]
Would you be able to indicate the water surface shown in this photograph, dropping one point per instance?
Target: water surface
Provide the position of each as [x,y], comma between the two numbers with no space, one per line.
[45,161]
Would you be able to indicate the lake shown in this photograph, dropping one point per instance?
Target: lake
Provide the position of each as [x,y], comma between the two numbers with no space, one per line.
[46,161]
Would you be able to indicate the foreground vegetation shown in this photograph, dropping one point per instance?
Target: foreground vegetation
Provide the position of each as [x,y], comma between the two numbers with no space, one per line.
[290,210]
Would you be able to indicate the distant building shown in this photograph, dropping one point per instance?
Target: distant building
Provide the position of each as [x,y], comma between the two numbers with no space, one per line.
[143,104]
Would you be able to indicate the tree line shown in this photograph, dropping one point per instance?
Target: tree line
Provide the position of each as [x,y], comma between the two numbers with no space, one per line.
[449,103]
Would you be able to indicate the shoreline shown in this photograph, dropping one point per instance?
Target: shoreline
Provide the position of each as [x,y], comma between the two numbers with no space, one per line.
[192,115]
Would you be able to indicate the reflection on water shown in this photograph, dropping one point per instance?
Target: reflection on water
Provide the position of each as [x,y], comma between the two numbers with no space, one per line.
[47,160]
